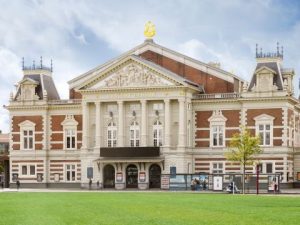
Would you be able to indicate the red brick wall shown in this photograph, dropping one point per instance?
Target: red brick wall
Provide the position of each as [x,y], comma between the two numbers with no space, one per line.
[277,113]
[74,95]
[211,83]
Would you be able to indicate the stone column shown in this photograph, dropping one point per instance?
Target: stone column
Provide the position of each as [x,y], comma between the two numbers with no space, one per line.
[167,127]
[182,122]
[144,123]
[120,141]
[85,125]
[98,125]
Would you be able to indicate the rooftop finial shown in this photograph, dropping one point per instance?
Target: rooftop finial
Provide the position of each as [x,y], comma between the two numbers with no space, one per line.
[256,50]
[33,64]
[51,68]
[277,48]
[41,61]
[282,51]
[149,30]
[23,66]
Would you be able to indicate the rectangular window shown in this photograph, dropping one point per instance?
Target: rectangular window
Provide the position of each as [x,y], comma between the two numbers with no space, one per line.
[217,168]
[28,139]
[70,138]
[217,135]
[28,170]
[264,132]
[71,172]
[269,168]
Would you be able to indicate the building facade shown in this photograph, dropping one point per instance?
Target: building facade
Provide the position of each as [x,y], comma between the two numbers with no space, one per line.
[4,160]
[146,113]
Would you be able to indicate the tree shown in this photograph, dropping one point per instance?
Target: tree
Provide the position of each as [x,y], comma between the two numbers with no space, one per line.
[243,148]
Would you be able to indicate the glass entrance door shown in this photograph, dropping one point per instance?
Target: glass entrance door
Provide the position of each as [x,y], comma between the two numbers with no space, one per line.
[109,176]
[154,176]
[131,176]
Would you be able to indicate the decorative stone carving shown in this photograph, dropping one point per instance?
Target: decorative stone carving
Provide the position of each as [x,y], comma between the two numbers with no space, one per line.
[134,75]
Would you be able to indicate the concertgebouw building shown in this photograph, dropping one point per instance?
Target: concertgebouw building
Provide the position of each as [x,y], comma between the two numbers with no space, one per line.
[147,112]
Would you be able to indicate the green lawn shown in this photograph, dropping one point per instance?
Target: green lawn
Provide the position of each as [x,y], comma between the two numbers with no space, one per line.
[146,208]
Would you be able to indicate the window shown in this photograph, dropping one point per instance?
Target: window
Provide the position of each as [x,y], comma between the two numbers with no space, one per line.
[134,134]
[269,167]
[217,168]
[111,135]
[264,132]
[71,172]
[217,135]
[28,170]
[217,129]
[264,129]
[157,133]
[70,138]
[70,132]
[28,139]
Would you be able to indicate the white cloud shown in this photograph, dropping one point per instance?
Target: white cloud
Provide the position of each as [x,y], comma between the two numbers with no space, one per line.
[69,32]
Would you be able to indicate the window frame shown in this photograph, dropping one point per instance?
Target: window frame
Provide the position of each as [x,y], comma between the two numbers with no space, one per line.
[134,134]
[28,170]
[217,119]
[27,126]
[112,142]
[264,120]
[158,128]
[66,170]
[218,167]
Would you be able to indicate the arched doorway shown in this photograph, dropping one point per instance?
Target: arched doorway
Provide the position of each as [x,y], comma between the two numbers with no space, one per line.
[109,176]
[131,176]
[154,176]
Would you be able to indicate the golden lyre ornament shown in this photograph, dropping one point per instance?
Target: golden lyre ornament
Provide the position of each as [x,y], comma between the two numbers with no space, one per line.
[149,30]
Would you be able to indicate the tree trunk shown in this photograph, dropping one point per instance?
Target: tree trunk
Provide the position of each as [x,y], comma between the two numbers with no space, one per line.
[244,172]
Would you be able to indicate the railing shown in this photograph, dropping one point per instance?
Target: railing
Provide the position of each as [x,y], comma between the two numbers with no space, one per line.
[64,101]
[218,96]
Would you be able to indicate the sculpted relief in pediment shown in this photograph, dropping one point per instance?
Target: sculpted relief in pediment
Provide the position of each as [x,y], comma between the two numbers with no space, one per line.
[133,75]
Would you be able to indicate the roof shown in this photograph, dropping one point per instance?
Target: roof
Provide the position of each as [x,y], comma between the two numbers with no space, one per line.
[44,82]
[277,79]
[150,45]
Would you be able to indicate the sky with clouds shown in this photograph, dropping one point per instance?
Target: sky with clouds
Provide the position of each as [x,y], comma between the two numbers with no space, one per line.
[80,35]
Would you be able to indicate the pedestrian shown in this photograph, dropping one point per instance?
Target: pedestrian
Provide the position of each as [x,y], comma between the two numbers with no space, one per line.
[18,184]
[90,184]
[98,185]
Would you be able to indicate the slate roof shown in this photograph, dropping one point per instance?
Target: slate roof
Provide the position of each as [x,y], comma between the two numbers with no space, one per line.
[45,82]
[277,79]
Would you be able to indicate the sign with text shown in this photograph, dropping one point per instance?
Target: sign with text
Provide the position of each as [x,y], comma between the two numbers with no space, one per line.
[165,182]
[119,177]
[218,183]
[142,176]
[90,172]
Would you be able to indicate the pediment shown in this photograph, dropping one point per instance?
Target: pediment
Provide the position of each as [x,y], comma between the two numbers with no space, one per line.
[217,116]
[264,117]
[69,121]
[28,81]
[265,69]
[134,72]
[27,123]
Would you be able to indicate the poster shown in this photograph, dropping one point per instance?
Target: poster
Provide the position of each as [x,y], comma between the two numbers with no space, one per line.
[119,177]
[165,182]
[142,176]
[218,183]
[56,177]
[15,177]
[39,177]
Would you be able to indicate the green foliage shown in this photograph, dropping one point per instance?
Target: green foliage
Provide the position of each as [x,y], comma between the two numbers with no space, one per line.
[125,208]
[1,168]
[243,148]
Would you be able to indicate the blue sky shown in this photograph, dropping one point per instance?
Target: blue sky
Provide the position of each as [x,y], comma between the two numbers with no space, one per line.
[79,35]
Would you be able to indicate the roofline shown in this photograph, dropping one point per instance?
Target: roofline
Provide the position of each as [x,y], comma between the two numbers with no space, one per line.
[139,49]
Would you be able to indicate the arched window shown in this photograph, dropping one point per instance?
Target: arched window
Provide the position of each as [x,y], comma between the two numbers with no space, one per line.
[134,134]
[111,135]
[157,133]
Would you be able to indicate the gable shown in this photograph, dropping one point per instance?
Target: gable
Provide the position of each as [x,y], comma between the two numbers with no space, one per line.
[134,72]
[28,81]
[132,75]
[264,118]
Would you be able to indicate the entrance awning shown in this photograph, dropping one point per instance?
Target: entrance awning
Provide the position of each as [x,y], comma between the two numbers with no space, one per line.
[128,160]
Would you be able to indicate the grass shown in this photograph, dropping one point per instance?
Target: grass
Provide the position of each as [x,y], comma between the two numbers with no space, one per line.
[146,208]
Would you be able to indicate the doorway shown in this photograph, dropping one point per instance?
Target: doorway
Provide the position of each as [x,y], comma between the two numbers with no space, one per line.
[109,176]
[154,176]
[131,176]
